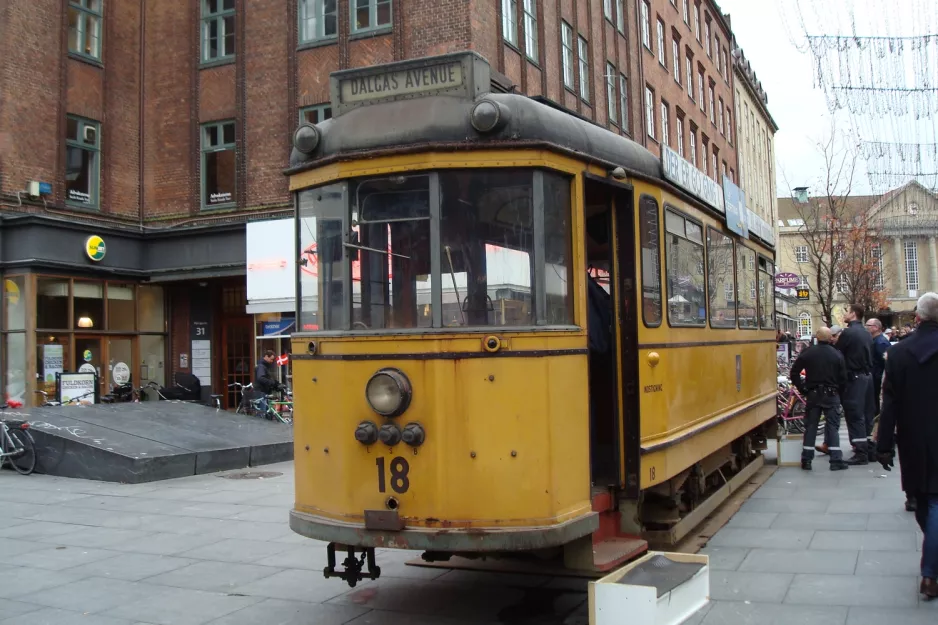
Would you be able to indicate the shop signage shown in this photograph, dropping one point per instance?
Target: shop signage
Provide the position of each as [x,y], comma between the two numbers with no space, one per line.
[52,362]
[787,280]
[393,83]
[804,294]
[277,328]
[12,292]
[87,367]
[735,205]
[691,179]
[87,355]
[95,248]
[200,334]
[45,188]
[81,386]
[120,373]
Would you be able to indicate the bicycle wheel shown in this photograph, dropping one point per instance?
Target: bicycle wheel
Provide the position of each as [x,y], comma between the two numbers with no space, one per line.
[25,462]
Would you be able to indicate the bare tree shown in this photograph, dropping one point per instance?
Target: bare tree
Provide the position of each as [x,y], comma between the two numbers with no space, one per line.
[862,280]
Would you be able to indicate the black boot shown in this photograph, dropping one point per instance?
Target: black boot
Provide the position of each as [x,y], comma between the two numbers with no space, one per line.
[911,505]
[805,465]
[858,459]
[839,465]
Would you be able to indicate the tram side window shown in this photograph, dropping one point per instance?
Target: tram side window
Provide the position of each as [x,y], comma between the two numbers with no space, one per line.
[746,287]
[721,280]
[558,242]
[685,262]
[766,294]
[651,261]
[487,248]
[320,215]
[391,265]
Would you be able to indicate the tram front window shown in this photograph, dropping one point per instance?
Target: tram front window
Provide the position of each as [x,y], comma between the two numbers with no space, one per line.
[458,248]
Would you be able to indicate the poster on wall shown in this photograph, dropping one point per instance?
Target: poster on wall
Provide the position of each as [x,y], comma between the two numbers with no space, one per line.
[76,388]
[53,357]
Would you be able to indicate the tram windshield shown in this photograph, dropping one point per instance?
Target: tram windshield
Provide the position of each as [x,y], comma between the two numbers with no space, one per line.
[449,249]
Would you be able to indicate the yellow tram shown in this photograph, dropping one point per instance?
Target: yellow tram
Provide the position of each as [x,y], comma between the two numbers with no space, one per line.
[518,334]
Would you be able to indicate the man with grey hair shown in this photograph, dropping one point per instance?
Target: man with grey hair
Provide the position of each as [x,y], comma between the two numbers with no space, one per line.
[909,421]
[880,344]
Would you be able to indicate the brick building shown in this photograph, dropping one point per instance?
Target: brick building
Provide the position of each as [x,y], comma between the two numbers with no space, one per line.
[140,142]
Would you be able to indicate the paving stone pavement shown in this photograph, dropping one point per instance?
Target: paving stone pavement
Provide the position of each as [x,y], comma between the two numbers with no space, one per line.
[820,547]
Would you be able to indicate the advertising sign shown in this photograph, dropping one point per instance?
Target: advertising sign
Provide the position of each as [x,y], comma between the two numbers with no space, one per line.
[120,373]
[735,204]
[95,248]
[804,294]
[80,387]
[691,179]
[786,280]
[52,362]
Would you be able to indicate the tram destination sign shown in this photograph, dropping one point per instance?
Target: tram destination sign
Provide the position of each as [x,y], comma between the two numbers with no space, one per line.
[680,172]
[463,74]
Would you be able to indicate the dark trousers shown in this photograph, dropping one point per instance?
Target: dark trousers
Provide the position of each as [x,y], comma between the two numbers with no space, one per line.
[817,402]
[926,515]
[877,389]
[857,395]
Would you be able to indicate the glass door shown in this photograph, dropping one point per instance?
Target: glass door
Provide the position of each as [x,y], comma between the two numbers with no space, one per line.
[120,362]
[89,356]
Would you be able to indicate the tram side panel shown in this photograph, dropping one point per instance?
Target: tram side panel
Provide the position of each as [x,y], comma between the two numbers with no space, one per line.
[507,440]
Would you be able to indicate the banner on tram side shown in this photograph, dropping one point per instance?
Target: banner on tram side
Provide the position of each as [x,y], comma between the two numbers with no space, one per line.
[689,178]
[735,203]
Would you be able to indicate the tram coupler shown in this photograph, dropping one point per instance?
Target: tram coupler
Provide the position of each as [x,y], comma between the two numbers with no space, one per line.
[353,565]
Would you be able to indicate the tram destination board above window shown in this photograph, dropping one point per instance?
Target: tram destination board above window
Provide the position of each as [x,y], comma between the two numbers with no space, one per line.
[463,74]
[683,174]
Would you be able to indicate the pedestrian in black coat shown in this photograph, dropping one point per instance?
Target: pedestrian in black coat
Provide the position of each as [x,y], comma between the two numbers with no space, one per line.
[909,420]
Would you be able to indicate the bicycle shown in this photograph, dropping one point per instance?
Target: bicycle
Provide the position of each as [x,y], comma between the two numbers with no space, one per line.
[52,402]
[16,443]
[252,406]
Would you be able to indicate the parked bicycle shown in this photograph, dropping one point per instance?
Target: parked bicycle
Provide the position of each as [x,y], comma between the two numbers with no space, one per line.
[16,443]
[46,401]
[252,404]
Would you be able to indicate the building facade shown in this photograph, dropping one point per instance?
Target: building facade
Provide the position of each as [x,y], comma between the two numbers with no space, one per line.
[904,249]
[142,146]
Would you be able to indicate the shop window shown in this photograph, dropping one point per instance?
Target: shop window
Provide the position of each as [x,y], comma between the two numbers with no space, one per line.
[14,299]
[14,359]
[315,114]
[52,304]
[721,279]
[120,306]
[218,30]
[52,356]
[684,260]
[84,28]
[151,309]
[88,313]
[370,15]
[82,161]
[218,165]
[651,261]
[318,20]
[746,287]
[152,355]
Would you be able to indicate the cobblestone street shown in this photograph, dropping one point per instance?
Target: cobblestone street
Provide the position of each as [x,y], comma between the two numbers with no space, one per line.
[806,548]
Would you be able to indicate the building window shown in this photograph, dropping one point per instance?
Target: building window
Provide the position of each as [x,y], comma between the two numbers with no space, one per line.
[697,20]
[651,261]
[611,92]
[82,161]
[84,28]
[583,50]
[686,14]
[707,35]
[624,101]
[665,124]
[218,164]
[729,126]
[318,20]
[373,14]
[714,160]
[646,25]
[726,69]
[684,254]
[315,114]
[716,44]
[911,265]
[713,119]
[530,29]
[676,59]
[722,171]
[700,89]
[607,9]
[689,74]
[693,146]
[510,21]
[720,270]
[218,30]
[842,284]
[722,120]
[877,253]
[620,16]
[804,326]
[705,150]
[566,42]
[650,111]
[661,55]
[680,135]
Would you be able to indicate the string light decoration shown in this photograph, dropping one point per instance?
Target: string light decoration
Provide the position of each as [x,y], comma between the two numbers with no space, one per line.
[877,61]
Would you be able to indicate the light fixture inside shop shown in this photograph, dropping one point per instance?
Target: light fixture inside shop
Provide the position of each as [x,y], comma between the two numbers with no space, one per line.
[85,322]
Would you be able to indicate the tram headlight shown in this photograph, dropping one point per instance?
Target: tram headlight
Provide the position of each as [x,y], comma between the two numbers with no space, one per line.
[488,116]
[306,138]
[388,392]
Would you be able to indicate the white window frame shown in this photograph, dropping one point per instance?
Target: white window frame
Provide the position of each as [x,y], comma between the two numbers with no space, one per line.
[566,44]
[709,41]
[312,15]
[722,119]
[680,135]
[583,58]
[620,16]
[607,9]
[611,73]
[700,89]
[686,14]
[804,325]
[712,114]
[372,16]
[219,19]
[665,124]
[689,76]
[676,58]
[910,247]
[876,251]
[715,161]
[322,112]
[662,44]
[697,21]
[650,111]
[801,253]
[646,24]
[693,147]
[509,21]
[530,29]
[624,102]
[89,14]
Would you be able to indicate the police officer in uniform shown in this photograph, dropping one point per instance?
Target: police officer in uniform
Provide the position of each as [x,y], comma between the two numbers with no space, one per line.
[825,377]
[856,345]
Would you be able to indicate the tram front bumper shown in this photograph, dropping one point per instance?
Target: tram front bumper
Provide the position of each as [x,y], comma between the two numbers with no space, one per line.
[526,538]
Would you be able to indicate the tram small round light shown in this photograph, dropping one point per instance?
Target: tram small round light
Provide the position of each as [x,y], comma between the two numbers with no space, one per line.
[485,116]
[388,392]
[413,434]
[306,138]
[366,433]
[389,434]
